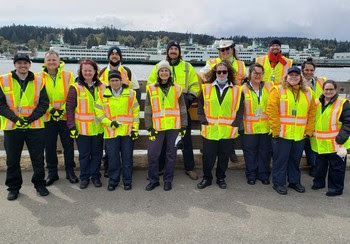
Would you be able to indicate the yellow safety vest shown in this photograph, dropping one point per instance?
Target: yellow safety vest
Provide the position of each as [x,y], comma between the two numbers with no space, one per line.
[183,74]
[327,127]
[319,86]
[165,109]
[294,114]
[276,74]
[57,91]
[124,109]
[24,105]
[220,116]
[123,73]
[237,65]
[255,119]
[85,120]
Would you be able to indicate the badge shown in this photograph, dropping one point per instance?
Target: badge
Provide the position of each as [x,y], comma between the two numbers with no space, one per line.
[258,112]
[273,77]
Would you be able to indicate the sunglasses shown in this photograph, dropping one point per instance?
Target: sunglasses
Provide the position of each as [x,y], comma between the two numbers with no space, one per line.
[224,49]
[219,72]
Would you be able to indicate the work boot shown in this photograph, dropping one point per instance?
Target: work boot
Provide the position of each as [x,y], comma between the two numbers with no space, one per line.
[192,174]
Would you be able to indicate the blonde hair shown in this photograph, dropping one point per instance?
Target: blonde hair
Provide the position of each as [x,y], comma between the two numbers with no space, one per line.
[303,86]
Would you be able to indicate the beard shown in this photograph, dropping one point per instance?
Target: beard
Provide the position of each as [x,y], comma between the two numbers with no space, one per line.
[114,63]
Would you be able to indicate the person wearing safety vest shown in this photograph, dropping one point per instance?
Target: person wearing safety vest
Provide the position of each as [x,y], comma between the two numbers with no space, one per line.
[185,76]
[220,112]
[118,111]
[275,64]
[227,52]
[331,139]
[291,113]
[165,119]
[256,139]
[316,83]
[129,79]
[57,82]
[83,124]
[23,102]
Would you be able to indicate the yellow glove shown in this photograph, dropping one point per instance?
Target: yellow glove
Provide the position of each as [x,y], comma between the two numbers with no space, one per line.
[152,134]
[73,133]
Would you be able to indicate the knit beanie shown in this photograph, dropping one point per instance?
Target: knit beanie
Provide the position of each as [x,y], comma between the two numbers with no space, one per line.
[275,41]
[163,64]
[173,43]
[114,49]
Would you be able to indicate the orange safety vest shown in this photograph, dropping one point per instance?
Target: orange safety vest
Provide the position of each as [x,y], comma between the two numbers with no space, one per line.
[123,73]
[165,109]
[276,74]
[255,119]
[24,105]
[237,65]
[220,116]
[85,119]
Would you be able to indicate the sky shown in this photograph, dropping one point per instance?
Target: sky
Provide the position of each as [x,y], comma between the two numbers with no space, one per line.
[324,19]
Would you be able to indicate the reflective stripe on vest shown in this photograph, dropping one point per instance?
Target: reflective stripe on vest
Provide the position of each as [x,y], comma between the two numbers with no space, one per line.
[293,126]
[58,95]
[85,119]
[123,114]
[165,109]
[256,122]
[220,116]
[327,127]
[21,106]
[278,72]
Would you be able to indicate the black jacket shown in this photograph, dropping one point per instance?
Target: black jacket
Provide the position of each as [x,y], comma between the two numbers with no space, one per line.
[40,109]
[344,132]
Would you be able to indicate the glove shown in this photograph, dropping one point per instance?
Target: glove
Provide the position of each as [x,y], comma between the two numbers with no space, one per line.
[341,151]
[152,134]
[56,114]
[182,132]
[115,124]
[134,135]
[22,122]
[73,133]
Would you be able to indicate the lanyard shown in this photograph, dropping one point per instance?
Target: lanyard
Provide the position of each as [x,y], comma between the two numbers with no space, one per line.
[260,91]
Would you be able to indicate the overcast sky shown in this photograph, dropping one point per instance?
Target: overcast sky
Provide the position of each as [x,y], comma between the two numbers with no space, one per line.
[325,19]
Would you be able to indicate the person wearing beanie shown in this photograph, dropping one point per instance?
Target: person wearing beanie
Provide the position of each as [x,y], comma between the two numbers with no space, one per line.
[275,64]
[226,51]
[120,123]
[184,75]
[165,120]
[129,79]
[22,121]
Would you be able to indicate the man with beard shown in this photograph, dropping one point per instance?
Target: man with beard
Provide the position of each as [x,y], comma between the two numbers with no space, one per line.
[184,75]
[128,79]
[275,64]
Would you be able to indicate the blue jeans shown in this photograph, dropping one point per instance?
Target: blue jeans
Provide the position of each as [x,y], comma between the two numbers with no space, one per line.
[90,154]
[118,148]
[335,166]
[257,156]
[286,160]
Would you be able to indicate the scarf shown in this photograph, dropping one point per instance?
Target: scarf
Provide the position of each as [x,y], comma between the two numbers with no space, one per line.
[275,59]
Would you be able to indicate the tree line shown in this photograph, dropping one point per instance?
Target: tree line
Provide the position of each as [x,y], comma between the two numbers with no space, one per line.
[24,37]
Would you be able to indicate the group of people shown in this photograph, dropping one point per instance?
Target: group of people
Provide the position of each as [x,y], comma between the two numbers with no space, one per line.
[278,109]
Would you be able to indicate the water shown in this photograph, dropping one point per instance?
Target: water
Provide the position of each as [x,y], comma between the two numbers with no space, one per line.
[142,71]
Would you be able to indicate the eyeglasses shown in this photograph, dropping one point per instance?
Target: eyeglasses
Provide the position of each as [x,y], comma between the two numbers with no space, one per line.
[329,90]
[219,72]
[224,49]
[257,74]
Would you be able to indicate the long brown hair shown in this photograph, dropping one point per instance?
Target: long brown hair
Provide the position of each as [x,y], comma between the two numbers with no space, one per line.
[211,75]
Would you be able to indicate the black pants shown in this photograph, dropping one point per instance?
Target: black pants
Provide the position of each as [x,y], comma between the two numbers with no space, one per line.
[13,142]
[187,152]
[52,130]
[212,149]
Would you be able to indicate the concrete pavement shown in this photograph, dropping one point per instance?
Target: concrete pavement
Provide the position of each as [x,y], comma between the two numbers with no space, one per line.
[240,214]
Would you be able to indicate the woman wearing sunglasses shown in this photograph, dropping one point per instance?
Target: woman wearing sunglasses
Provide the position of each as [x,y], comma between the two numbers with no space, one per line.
[227,52]
[220,112]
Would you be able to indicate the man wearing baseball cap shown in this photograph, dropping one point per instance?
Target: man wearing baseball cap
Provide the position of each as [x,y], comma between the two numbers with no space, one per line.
[23,102]
[275,64]
[184,75]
